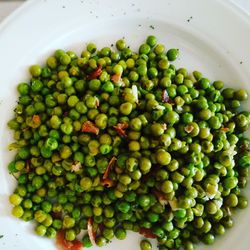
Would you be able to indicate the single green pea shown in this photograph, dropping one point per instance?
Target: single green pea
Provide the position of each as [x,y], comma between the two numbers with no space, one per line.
[17,211]
[126,108]
[163,157]
[172,54]
[151,41]
[144,200]
[35,70]
[167,186]
[41,230]
[120,233]
[145,245]
[15,199]
[241,95]
[121,44]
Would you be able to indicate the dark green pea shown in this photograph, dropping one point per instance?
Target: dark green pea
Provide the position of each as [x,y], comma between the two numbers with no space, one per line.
[172,54]
[144,200]
[208,239]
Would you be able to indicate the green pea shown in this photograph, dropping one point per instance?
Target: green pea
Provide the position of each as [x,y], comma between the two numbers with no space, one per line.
[17,211]
[41,230]
[126,108]
[144,200]
[120,44]
[86,183]
[242,202]
[120,233]
[101,241]
[172,54]
[35,70]
[151,41]
[145,245]
[163,157]
[241,95]
[15,199]
[167,186]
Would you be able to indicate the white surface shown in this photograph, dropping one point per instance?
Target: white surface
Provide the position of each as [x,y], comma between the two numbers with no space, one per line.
[214,41]
[8,6]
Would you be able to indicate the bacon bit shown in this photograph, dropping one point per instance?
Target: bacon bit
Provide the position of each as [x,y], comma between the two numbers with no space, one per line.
[189,128]
[76,166]
[165,96]
[223,129]
[64,244]
[161,197]
[36,119]
[110,165]
[108,183]
[116,78]
[91,233]
[120,128]
[27,166]
[95,74]
[146,232]
[89,127]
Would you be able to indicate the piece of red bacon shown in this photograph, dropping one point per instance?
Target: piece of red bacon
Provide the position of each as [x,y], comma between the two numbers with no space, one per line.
[89,127]
[64,244]
[110,165]
[116,78]
[107,182]
[146,232]
[120,128]
[95,74]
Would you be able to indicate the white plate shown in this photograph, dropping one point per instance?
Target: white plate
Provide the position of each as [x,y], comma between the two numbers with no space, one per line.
[213,37]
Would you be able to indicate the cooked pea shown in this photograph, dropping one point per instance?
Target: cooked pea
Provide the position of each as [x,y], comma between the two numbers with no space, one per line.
[163,157]
[35,70]
[241,95]
[145,245]
[172,54]
[126,108]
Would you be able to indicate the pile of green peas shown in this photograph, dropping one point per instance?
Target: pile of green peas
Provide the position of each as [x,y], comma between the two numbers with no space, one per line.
[175,139]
